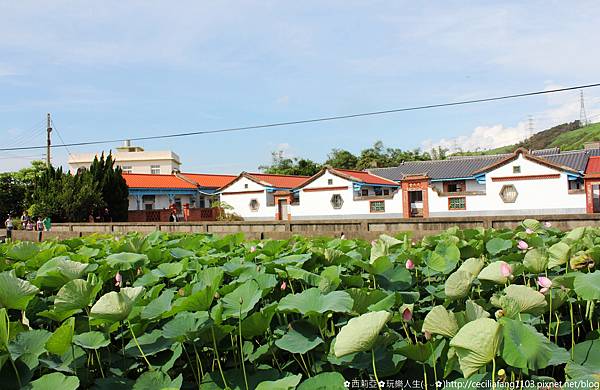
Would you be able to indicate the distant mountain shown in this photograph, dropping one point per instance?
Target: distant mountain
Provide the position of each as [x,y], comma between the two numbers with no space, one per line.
[568,136]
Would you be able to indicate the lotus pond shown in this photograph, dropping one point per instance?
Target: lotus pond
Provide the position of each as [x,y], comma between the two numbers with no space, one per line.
[471,307]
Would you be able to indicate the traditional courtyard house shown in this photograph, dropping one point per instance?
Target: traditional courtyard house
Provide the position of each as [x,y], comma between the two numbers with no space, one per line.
[261,196]
[341,193]
[159,192]
[540,182]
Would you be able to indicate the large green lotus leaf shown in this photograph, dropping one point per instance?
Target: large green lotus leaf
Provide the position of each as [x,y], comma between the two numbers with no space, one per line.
[312,301]
[476,344]
[532,224]
[60,341]
[458,284]
[150,343]
[418,352]
[535,261]
[295,273]
[473,311]
[15,293]
[157,380]
[527,299]
[28,346]
[587,286]
[323,381]
[170,270]
[440,321]
[197,301]
[241,300]
[385,304]
[158,306]
[76,294]
[378,249]
[524,347]
[116,306]
[91,340]
[286,383]
[23,251]
[180,253]
[444,258]
[256,324]
[493,273]
[60,270]
[360,333]
[113,383]
[55,381]
[186,325]
[472,265]
[586,361]
[300,338]
[558,254]
[497,245]
[124,261]
[574,235]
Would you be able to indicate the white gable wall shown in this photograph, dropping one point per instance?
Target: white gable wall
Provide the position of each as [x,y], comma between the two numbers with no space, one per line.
[240,200]
[535,196]
[317,204]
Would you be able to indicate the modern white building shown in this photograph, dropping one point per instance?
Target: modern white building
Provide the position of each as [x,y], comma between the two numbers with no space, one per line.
[132,159]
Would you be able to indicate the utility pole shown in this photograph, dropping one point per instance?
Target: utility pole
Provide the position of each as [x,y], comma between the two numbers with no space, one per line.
[49,130]
[583,120]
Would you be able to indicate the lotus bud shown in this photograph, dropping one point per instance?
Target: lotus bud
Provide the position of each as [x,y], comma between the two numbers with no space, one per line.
[499,313]
[410,264]
[283,285]
[591,264]
[427,335]
[506,270]
[407,315]
[217,295]
[528,231]
[252,249]
[501,374]
[547,224]
[138,272]
[118,280]
[522,245]
[373,242]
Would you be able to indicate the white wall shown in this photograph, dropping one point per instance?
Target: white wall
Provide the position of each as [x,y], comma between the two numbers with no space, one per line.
[241,202]
[317,204]
[140,162]
[541,196]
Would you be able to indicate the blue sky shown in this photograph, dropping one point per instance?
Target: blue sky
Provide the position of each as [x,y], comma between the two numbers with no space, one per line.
[115,69]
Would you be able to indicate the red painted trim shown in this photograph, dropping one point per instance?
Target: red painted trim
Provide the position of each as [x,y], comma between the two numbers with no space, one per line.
[243,192]
[526,177]
[457,197]
[325,189]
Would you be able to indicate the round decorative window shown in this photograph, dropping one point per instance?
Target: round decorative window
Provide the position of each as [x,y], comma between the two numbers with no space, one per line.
[509,193]
[337,201]
[254,205]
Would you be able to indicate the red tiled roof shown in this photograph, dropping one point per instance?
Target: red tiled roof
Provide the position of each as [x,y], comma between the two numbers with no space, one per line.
[143,180]
[279,181]
[365,177]
[593,165]
[209,180]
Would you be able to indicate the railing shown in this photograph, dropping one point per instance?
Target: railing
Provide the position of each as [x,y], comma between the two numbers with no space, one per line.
[195,215]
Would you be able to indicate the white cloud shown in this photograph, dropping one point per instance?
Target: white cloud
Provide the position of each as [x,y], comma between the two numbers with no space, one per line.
[563,108]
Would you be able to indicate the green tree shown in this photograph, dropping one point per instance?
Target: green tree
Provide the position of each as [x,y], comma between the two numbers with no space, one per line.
[112,185]
[12,195]
[373,157]
[342,159]
[290,166]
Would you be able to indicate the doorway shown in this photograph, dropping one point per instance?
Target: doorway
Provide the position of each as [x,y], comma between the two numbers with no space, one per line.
[282,209]
[596,198]
[415,200]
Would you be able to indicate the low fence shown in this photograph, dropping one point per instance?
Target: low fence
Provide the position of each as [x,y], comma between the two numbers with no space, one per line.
[195,215]
[365,228]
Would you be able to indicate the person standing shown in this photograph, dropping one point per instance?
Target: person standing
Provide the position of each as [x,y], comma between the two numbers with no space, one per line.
[173,216]
[47,223]
[9,227]
[39,226]
[25,219]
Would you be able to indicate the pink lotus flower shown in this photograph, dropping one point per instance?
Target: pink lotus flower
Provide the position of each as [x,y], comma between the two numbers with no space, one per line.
[506,270]
[547,224]
[528,231]
[118,280]
[407,315]
[373,242]
[522,245]
[252,249]
[283,285]
[544,283]
[410,264]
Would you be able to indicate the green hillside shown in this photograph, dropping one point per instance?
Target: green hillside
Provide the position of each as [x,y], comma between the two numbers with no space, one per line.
[567,136]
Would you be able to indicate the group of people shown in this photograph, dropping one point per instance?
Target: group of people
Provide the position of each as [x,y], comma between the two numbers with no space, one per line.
[38,224]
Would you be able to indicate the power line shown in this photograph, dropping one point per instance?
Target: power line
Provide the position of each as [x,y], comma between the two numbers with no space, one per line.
[59,136]
[313,120]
